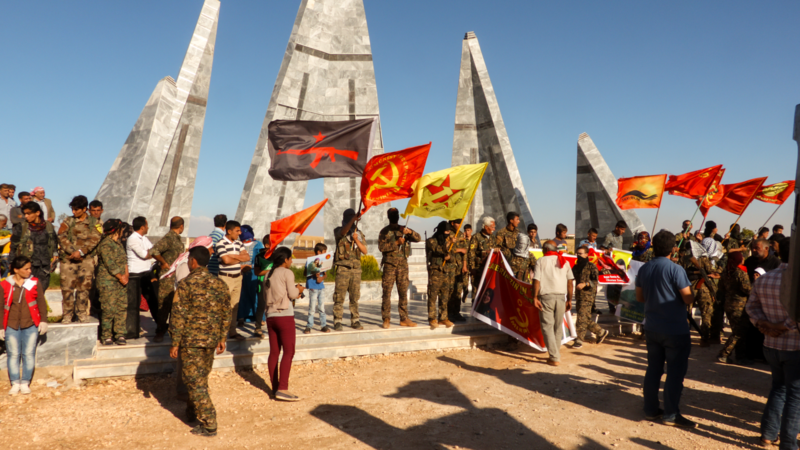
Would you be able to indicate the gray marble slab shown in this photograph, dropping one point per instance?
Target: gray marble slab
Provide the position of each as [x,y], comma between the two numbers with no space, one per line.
[63,344]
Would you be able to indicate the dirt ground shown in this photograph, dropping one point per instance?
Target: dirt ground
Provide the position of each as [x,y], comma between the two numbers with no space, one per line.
[488,398]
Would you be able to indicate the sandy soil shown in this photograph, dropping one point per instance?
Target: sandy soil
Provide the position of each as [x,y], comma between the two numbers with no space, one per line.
[497,398]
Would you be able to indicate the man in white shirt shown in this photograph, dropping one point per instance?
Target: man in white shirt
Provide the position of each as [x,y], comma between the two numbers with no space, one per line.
[232,256]
[140,269]
[7,202]
[552,283]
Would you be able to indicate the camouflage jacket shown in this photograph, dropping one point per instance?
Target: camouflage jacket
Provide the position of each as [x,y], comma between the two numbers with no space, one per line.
[393,253]
[40,247]
[112,261]
[457,260]
[347,252]
[169,247]
[588,275]
[734,289]
[201,311]
[506,241]
[435,254]
[705,263]
[76,236]
[479,247]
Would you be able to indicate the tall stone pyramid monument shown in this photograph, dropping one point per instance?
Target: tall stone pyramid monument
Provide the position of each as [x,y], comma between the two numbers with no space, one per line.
[596,194]
[154,173]
[326,75]
[480,136]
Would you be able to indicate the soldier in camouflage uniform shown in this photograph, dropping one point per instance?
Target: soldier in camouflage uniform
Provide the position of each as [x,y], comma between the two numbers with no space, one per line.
[734,289]
[586,276]
[457,272]
[704,300]
[439,288]
[166,251]
[506,239]
[685,234]
[201,317]
[350,245]
[479,247]
[394,242]
[78,237]
[112,277]
[522,261]
[35,238]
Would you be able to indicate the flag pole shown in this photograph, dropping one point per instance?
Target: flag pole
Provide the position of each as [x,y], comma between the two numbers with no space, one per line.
[769,218]
[685,230]
[656,221]
[466,211]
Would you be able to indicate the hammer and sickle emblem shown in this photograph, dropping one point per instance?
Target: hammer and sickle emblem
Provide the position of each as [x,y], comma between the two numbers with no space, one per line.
[388,182]
[518,323]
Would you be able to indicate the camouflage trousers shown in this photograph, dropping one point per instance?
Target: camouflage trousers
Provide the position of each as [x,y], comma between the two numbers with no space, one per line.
[395,274]
[196,367]
[583,305]
[519,266]
[738,318]
[459,285]
[439,288]
[76,282]
[114,305]
[166,293]
[348,281]
[710,313]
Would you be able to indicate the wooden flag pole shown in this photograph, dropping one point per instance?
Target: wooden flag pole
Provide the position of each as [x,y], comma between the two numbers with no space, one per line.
[685,230]
[656,221]
[769,218]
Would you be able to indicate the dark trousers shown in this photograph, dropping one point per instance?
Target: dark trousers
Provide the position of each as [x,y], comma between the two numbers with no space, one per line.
[282,335]
[672,349]
[782,413]
[139,285]
[42,273]
[261,306]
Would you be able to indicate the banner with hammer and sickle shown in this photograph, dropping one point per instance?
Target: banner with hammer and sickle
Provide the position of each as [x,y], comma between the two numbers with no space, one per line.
[390,176]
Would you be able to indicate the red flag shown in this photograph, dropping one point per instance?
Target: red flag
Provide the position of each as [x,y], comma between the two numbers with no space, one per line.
[693,184]
[713,196]
[609,271]
[776,193]
[640,192]
[737,197]
[389,176]
[296,223]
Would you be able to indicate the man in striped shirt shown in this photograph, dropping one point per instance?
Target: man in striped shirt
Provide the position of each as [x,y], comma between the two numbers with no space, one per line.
[232,254]
[219,232]
[782,351]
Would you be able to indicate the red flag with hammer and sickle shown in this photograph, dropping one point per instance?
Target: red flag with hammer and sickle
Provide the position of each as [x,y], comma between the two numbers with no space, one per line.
[389,176]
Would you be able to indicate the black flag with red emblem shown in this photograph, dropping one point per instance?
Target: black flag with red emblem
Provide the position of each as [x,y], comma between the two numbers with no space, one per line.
[305,150]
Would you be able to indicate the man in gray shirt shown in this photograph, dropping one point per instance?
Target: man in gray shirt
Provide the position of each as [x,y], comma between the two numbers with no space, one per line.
[552,284]
[614,239]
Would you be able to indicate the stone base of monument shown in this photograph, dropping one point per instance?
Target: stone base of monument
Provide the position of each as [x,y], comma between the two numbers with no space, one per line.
[63,344]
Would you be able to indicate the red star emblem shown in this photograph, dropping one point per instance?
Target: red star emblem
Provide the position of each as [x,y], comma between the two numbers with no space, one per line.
[442,189]
[319,137]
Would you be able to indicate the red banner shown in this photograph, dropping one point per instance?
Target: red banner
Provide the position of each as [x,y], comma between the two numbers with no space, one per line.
[776,193]
[506,303]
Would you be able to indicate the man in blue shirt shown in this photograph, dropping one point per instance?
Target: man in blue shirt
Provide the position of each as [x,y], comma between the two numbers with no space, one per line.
[665,290]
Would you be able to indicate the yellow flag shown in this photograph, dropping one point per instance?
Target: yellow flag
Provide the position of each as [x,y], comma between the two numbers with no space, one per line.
[446,193]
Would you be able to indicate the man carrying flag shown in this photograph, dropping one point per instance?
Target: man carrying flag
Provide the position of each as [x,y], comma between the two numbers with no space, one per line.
[350,246]
[440,285]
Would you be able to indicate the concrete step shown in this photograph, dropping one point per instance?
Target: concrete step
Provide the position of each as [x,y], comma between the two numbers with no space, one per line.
[457,337]
[416,260]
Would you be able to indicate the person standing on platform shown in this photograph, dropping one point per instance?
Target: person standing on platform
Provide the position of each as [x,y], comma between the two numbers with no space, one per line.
[439,287]
[17,216]
[591,239]
[96,211]
[261,267]
[232,254]
[350,245]
[613,241]
[249,298]
[521,257]
[37,240]
[506,239]
[219,232]
[479,248]
[78,237]
[467,276]
[112,277]
[394,242]
[200,321]
[552,284]
[586,277]
[48,213]
[315,284]
[140,273]
[561,238]
[165,252]
[456,269]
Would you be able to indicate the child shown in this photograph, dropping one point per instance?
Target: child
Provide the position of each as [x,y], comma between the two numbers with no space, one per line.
[315,286]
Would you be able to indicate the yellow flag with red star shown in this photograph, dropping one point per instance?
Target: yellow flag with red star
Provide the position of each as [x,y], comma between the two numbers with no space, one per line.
[446,193]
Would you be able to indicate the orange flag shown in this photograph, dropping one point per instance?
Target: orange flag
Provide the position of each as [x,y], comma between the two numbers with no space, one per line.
[389,176]
[713,196]
[737,197]
[693,184]
[640,192]
[776,193]
[296,223]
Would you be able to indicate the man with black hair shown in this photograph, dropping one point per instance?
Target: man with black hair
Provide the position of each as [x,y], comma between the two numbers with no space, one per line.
[17,216]
[591,239]
[96,211]
[36,239]
[165,252]
[686,233]
[455,269]
[468,231]
[506,239]
[350,246]
[77,237]
[613,240]
[665,290]
[439,287]
[561,237]
[763,233]
[7,202]
[199,326]
[219,232]
[761,258]
[394,242]
[777,233]
[140,268]
[232,255]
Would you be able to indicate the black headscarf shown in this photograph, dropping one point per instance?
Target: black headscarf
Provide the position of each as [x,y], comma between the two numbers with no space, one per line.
[578,267]
[439,231]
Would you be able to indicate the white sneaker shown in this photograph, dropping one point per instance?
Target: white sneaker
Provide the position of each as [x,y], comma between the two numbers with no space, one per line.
[14,389]
[24,388]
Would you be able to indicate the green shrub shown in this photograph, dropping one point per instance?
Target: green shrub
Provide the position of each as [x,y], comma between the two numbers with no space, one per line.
[55,280]
[370,270]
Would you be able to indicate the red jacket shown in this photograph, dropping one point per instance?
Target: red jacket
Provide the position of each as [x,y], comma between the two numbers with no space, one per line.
[31,297]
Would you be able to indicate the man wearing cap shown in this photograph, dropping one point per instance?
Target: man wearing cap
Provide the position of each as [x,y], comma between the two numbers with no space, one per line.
[394,242]
[350,245]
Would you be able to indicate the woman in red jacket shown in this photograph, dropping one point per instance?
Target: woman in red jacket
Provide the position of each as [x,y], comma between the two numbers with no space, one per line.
[24,319]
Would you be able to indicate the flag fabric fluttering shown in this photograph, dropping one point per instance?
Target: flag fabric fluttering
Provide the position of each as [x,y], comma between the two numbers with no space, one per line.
[713,196]
[305,150]
[737,197]
[390,176]
[446,193]
[693,184]
[296,223]
[640,192]
[776,193]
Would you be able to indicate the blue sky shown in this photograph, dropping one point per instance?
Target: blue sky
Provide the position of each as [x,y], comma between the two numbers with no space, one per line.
[660,87]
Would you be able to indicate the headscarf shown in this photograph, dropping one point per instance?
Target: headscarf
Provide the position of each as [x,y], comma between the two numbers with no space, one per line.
[578,267]
[36,189]
[638,248]
[111,226]
[712,247]
[735,260]
[247,234]
[440,229]
[346,217]
[183,258]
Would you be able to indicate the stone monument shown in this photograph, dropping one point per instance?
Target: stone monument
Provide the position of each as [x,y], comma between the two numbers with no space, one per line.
[326,75]
[595,197]
[480,136]
[154,173]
